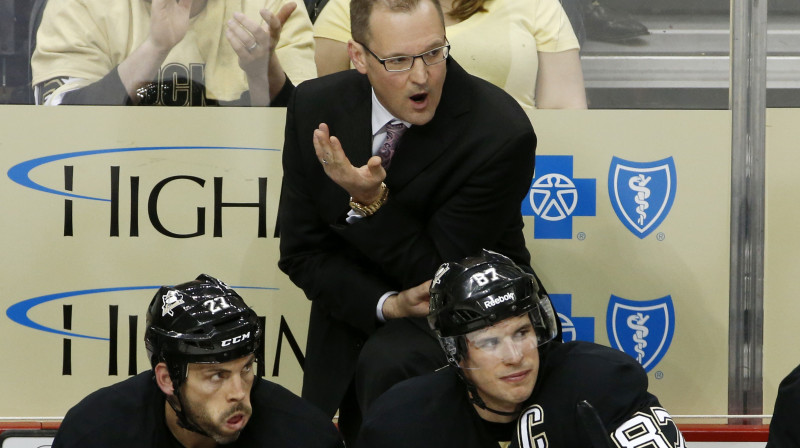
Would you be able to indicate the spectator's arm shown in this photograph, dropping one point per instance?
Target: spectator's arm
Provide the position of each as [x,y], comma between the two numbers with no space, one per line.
[169,22]
[73,52]
[331,33]
[559,84]
[294,53]
[331,56]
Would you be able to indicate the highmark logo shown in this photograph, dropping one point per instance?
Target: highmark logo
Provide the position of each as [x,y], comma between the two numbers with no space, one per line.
[572,328]
[71,300]
[556,196]
[642,329]
[642,193]
[133,192]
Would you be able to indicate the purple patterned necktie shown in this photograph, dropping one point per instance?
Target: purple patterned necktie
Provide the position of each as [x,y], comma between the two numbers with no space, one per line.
[393,133]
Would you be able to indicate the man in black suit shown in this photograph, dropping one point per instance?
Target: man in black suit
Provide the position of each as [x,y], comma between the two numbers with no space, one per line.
[363,237]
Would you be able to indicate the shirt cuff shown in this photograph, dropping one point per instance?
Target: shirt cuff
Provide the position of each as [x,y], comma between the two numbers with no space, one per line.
[379,309]
[353,217]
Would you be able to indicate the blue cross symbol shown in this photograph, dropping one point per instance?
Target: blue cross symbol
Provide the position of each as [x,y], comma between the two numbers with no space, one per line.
[556,196]
[572,328]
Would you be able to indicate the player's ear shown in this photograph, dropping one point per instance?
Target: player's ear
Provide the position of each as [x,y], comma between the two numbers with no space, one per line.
[358,56]
[163,379]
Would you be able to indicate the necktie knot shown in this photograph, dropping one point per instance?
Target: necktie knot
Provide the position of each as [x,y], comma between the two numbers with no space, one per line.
[394,130]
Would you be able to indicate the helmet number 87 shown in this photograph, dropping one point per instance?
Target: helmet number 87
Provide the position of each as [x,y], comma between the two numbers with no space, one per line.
[216,305]
[482,278]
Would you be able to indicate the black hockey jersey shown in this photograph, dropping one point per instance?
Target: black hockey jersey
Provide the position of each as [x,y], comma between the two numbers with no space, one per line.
[130,414]
[433,411]
[588,395]
[784,431]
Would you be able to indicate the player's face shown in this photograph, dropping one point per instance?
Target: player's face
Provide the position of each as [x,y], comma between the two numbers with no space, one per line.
[412,95]
[503,362]
[216,397]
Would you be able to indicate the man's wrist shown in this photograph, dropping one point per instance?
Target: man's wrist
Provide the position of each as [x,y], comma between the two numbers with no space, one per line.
[155,49]
[368,209]
[381,302]
[276,75]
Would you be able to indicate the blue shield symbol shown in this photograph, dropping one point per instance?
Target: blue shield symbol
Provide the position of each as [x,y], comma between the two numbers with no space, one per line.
[641,329]
[642,193]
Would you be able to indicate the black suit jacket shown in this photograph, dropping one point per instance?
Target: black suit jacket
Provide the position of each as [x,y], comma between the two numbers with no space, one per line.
[455,186]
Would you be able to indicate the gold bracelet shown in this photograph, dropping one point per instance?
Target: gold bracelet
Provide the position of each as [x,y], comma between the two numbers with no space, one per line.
[370,209]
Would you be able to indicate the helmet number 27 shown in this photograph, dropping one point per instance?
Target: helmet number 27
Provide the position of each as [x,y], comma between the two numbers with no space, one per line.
[216,304]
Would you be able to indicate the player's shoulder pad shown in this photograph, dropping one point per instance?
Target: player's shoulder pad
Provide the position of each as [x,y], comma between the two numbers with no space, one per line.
[603,364]
[110,414]
[413,410]
[332,85]
[277,408]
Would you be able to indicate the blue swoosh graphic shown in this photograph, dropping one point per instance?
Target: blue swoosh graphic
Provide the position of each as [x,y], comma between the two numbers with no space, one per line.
[20,173]
[18,312]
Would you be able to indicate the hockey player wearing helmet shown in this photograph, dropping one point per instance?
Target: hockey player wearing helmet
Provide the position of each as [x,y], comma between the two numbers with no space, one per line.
[202,341]
[511,382]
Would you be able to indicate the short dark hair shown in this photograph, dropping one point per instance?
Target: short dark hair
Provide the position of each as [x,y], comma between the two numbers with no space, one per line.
[361,10]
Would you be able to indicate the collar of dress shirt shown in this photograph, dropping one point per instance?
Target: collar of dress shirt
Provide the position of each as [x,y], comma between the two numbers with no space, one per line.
[381,116]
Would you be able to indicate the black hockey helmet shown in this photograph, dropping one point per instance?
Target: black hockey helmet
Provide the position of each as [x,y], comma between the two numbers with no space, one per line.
[201,321]
[480,291]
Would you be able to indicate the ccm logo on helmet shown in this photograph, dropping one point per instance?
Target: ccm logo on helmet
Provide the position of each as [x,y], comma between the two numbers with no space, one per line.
[492,301]
[236,340]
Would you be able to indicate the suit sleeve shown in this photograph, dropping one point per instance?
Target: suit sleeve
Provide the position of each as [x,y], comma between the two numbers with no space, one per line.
[311,252]
[348,267]
[477,215]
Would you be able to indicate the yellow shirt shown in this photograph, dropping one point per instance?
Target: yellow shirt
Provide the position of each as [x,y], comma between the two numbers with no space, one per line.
[86,39]
[500,45]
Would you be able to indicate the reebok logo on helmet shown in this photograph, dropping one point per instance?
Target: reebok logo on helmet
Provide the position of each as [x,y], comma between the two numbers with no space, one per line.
[492,301]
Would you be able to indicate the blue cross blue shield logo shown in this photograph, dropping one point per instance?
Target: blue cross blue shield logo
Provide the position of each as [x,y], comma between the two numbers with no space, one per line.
[573,328]
[642,329]
[642,193]
[556,196]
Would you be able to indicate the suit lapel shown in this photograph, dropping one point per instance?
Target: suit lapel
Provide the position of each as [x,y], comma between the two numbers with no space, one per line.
[422,145]
[355,124]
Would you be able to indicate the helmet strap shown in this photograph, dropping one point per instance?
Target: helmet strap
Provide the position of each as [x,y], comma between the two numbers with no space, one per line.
[183,419]
[474,398]
[181,372]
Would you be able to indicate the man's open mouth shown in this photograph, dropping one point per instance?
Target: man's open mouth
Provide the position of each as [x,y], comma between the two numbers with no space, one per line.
[418,98]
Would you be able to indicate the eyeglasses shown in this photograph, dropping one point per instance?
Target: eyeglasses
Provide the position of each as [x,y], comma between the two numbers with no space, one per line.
[404,63]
